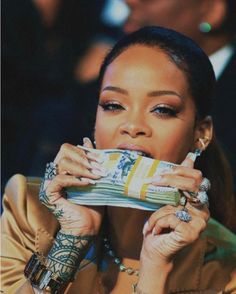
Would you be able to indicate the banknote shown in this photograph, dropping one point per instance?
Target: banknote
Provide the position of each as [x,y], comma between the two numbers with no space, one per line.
[125,182]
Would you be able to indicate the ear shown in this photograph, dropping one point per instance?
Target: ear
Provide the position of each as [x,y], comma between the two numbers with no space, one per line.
[203,133]
[214,12]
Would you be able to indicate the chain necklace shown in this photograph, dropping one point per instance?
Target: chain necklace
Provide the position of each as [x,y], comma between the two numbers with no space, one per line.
[117,260]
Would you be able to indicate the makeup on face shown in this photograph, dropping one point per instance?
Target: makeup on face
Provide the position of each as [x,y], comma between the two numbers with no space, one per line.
[145,104]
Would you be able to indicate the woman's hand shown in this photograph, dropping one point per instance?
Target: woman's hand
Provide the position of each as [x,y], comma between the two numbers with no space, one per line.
[164,233]
[75,167]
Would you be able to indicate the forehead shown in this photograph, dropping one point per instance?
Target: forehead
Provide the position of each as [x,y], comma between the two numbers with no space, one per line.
[143,65]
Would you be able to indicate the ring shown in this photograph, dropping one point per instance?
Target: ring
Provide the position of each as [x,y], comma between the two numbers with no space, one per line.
[203,197]
[183,215]
[51,170]
[205,185]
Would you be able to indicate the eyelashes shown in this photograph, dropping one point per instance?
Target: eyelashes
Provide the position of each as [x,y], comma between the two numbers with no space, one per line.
[111,106]
[161,110]
[164,110]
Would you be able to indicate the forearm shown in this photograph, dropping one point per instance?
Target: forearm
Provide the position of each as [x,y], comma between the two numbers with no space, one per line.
[58,268]
[66,254]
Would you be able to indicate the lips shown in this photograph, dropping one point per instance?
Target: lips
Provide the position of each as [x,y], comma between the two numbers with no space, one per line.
[132,147]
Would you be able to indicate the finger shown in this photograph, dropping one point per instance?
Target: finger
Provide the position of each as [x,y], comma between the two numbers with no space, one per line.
[53,190]
[78,169]
[167,222]
[91,156]
[71,152]
[201,211]
[186,172]
[172,180]
[189,160]
[87,143]
[163,211]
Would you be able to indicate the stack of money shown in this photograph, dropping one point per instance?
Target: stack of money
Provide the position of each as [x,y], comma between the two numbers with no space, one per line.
[125,183]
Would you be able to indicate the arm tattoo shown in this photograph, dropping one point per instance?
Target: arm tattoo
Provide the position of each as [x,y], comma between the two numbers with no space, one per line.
[66,254]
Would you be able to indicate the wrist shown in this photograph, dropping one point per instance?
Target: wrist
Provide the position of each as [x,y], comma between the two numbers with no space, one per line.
[152,276]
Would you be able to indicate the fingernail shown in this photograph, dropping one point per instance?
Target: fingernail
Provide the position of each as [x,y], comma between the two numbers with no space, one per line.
[86,140]
[154,232]
[99,167]
[90,181]
[157,179]
[167,171]
[192,156]
[145,228]
[98,172]
[96,157]
[96,165]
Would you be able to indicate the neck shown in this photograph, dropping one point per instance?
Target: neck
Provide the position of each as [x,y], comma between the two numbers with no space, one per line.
[211,44]
[125,230]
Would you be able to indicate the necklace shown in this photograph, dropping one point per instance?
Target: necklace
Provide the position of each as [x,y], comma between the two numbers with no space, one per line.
[117,260]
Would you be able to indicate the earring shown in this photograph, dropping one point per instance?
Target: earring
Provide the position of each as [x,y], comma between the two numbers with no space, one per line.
[204,27]
[204,142]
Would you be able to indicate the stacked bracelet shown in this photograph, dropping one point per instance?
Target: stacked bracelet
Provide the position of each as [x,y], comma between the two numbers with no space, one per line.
[41,277]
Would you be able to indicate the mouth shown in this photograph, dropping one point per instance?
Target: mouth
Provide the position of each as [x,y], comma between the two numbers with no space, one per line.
[139,149]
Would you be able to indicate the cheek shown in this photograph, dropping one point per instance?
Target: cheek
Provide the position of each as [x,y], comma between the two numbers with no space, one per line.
[103,131]
[174,144]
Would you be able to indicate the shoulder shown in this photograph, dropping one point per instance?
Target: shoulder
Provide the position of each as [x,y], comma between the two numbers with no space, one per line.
[21,206]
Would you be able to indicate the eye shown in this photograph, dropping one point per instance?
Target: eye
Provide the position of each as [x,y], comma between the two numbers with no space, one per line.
[111,106]
[164,110]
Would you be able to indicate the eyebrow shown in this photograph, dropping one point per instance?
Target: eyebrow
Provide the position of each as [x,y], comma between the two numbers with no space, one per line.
[115,89]
[150,94]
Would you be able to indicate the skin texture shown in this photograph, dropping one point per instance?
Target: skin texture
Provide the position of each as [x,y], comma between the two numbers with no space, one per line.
[141,116]
[144,104]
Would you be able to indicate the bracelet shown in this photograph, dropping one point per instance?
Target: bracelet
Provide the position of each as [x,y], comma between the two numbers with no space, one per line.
[41,277]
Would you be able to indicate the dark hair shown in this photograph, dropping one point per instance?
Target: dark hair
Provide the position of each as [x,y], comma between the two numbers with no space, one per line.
[182,51]
[229,23]
[194,63]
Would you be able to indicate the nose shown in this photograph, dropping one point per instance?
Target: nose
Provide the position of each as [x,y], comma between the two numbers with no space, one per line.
[135,126]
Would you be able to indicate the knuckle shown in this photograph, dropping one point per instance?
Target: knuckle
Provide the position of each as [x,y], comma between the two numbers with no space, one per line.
[194,185]
[65,147]
[199,175]
[62,162]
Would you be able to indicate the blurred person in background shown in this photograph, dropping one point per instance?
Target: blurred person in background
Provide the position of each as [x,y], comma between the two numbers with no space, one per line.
[212,24]
[41,44]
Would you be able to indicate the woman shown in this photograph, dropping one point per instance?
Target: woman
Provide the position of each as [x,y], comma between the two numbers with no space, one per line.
[155,88]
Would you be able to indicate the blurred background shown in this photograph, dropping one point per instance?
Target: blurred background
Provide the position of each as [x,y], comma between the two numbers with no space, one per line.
[51,54]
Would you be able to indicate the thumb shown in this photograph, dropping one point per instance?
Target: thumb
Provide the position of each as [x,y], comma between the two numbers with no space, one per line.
[87,143]
[189,160]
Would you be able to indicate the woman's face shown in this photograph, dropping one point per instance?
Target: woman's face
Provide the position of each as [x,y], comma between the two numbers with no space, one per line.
[145,105]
